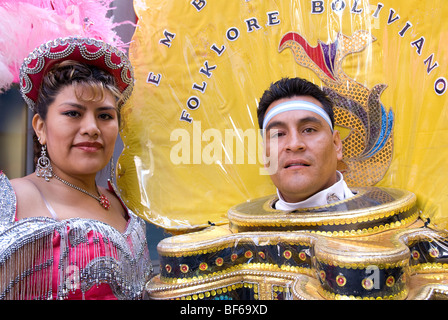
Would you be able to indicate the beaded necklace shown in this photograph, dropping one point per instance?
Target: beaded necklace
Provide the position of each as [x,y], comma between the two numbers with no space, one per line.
[102,199]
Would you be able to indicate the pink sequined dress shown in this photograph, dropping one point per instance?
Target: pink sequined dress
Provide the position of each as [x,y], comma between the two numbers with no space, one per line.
[47,258]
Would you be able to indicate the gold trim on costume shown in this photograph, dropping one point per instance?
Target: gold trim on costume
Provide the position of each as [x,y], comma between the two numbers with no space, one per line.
[306,259]
[370,211]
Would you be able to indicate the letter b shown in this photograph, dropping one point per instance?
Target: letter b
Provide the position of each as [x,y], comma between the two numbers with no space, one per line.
[317,6]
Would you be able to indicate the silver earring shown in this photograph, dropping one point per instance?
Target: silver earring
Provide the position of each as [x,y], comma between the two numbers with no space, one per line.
[43,166]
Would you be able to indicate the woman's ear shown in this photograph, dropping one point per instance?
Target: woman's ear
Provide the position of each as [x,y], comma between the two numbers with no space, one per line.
[39,127]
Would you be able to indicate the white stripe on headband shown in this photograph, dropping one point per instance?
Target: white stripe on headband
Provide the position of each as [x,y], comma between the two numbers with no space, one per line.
[296,105]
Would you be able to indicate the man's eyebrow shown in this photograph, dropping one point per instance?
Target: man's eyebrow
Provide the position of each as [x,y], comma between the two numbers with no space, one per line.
[309,119]
[275,124]
[300,122]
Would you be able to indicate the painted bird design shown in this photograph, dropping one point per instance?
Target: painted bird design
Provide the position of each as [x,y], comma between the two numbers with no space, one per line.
[368,146]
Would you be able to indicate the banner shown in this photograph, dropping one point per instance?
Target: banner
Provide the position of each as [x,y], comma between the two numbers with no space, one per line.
[192,146]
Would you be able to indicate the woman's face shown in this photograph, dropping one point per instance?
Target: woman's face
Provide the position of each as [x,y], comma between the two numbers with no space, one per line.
[80,133]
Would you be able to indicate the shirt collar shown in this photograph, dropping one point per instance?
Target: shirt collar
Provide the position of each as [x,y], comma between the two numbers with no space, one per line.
[338,191]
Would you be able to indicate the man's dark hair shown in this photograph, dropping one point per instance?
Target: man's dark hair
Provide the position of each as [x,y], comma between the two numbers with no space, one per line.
[291,87]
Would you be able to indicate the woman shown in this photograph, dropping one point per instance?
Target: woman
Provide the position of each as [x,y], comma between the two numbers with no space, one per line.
[62,236]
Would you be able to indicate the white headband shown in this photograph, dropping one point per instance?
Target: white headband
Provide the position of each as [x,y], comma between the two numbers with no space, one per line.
[296,105]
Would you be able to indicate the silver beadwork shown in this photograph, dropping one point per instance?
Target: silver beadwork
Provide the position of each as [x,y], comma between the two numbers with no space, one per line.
[90,253]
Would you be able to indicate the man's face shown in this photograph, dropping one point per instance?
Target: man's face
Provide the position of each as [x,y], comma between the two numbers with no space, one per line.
[306,149]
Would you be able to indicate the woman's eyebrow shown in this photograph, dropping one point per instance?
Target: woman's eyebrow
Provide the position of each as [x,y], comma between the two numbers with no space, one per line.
[73,104]
[81,107]
[106,108]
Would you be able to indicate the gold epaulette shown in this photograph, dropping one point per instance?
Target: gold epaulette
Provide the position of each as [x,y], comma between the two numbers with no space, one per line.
[370,211]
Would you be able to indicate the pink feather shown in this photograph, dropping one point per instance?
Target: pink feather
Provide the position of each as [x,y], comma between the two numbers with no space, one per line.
[24,25]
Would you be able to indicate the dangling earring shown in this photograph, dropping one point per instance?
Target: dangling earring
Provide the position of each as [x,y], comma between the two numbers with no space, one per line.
[43,166]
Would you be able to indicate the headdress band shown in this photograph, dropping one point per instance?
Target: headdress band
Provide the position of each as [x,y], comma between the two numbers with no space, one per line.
[296,105]
[86,50]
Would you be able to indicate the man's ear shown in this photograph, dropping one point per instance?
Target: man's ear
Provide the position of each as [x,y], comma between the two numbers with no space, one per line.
[337,144]
[40,129]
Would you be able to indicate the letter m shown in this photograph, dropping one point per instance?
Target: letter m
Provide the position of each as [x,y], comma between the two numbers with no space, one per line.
[168,37]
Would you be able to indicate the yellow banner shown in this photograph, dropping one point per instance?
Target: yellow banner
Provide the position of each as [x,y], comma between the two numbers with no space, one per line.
[192,145]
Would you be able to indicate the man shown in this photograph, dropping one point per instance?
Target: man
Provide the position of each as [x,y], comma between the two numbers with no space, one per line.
[297,117]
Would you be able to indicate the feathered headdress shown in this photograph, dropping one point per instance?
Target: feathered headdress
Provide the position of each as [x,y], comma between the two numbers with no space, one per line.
[24,25]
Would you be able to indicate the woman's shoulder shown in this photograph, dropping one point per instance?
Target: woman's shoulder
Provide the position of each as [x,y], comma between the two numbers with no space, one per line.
[26,196]
[24,187]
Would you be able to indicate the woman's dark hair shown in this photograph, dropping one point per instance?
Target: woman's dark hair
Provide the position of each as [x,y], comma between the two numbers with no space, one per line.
[292,87]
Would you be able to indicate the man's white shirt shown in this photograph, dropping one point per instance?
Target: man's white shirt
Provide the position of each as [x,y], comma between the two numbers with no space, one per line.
[337,192]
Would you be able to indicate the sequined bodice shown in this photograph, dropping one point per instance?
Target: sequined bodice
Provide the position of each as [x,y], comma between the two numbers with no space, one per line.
[44,258]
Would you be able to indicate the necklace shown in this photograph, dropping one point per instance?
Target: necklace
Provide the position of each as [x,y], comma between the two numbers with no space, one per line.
[102,199]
